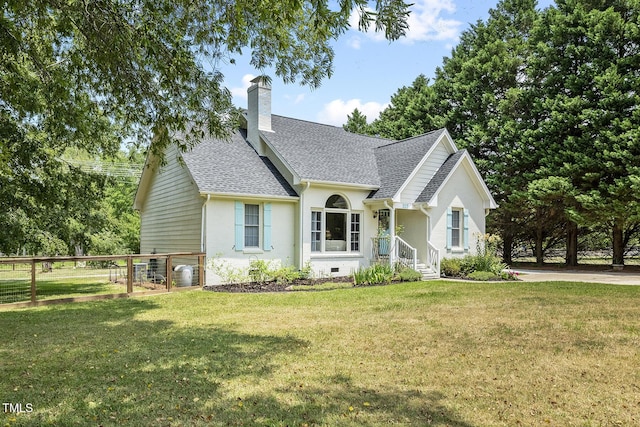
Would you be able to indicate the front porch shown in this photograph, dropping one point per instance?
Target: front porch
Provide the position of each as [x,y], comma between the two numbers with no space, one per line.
[408,245]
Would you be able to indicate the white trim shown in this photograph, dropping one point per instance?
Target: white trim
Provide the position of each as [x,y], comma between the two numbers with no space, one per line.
[451,150]
[344,185]
[490,203]
[297,179]
[243,196]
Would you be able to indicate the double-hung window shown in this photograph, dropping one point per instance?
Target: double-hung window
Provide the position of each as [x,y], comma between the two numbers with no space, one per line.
[457,229]
[335,228]
[316,231]
[251,226]
[355,232]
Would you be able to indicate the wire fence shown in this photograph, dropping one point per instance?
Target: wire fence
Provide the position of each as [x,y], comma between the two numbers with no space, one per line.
[33,280]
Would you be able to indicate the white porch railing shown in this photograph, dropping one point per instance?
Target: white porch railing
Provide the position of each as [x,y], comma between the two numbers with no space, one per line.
[405,254]
[433,258]
[399,251]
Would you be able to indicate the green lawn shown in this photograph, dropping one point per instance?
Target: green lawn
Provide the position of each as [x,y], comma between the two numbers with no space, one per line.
[60,283]
[435,353]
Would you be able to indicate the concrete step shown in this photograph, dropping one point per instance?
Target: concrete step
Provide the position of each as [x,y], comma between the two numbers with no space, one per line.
[426,272]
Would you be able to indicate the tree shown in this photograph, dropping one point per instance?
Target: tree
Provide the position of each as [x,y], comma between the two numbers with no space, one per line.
[411,112]
[89,74]
[585,72]
[356,123]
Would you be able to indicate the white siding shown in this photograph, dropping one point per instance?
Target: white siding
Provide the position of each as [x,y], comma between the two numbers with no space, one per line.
[415,230]
[172,210]
[345,263]
[459,192]
[220,240]
[425,173]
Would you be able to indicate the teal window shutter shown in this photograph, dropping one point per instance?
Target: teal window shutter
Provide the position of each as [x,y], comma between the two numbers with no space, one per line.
[465,224]
[449,225]
[239,226]
[267,226]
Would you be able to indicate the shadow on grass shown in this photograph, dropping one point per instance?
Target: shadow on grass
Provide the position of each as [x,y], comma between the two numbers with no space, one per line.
[97,364]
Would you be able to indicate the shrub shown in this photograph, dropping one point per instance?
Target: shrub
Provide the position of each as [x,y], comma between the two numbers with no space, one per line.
[374,275]
[509,275]
[260,271]
[409,275]
[451,267]
[306,271]
[483,275]
[285,274]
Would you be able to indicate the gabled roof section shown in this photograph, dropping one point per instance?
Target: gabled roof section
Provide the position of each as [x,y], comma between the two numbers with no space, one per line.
[397,161]
[324,153]
[234,167]
[440,178]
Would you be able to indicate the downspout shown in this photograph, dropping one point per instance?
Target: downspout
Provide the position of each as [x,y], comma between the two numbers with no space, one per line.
[392,233]
[203,226]
[301,226]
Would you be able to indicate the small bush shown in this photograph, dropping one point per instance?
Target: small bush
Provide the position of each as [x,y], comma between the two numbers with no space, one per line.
[451,267]
[260,271]
[286,274]
[483,275]
[377,274]
[410,275]
[509,275]
[306,272]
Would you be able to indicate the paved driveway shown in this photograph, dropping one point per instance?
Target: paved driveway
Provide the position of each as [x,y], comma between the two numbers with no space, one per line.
[612,277]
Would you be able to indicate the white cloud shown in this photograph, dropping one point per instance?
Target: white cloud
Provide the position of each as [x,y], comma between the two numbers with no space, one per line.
[241,92]
[354,42]
[425,23]
[295,99]
[335,113]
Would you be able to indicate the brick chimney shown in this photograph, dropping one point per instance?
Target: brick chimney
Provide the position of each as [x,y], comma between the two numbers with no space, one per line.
[259,112]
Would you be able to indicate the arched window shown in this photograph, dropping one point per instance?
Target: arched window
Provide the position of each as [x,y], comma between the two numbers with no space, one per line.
[336,202]
[335,228]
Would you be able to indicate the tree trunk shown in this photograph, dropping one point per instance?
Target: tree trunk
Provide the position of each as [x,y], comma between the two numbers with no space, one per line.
[507,248]
[539,241]
[571,257]
[618,243]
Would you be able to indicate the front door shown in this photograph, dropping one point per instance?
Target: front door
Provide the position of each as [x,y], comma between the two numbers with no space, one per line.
[384,232]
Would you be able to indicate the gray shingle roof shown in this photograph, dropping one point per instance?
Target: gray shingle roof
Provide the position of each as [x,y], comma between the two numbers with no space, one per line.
[325,153]
[397,160]
[234,167]
[439,177]
[316,152]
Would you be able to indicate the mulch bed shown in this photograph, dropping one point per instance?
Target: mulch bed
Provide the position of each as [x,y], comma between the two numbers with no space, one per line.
[255,287]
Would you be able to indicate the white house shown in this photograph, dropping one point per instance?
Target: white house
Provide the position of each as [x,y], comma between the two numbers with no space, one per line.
[306,193]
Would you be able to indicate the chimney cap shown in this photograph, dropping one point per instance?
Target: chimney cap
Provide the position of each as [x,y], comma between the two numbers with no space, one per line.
[264,81]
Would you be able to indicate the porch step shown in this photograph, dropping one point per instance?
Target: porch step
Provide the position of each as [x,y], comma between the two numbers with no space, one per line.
[426,272]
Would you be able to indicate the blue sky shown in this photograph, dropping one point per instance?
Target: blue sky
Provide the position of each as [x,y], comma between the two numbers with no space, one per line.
[368,70]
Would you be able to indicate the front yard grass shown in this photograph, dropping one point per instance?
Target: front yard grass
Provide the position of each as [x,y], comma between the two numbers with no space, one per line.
[427,353]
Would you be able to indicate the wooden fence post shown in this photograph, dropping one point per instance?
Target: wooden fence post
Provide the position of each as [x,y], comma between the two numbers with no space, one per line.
[129,274]
[33,280]
[201,271]
[169,272]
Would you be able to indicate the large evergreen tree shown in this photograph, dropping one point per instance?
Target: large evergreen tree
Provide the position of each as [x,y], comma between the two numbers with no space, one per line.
[547,102]
[411,112]
[585,97]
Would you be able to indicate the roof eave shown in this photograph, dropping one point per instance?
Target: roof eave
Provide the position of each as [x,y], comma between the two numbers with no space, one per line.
[222,195]
[452,149]
[351,185]
[489,202]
